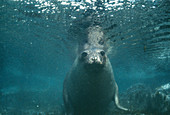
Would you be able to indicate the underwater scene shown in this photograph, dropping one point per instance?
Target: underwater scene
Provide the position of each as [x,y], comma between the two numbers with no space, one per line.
[84,57]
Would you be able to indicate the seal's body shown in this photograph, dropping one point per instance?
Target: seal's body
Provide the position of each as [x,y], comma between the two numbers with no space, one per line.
[90,87]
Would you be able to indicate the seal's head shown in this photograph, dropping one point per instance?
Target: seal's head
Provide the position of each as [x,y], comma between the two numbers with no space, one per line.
[93,59]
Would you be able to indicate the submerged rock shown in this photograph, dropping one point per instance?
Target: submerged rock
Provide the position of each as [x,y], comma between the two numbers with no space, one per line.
[138,97]
[142,100]
[161,100]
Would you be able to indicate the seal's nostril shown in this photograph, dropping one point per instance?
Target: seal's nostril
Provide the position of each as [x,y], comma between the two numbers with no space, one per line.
[95,60]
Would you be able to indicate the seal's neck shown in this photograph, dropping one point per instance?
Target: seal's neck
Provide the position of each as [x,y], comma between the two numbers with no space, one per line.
[95,36]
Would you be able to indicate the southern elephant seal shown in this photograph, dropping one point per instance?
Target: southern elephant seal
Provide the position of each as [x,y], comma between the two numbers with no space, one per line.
[90,87]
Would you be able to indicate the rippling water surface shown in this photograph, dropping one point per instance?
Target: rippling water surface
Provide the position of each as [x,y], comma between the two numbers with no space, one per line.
[39,39]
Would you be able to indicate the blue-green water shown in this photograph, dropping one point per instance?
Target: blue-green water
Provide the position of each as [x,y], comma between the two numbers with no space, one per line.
[38,44]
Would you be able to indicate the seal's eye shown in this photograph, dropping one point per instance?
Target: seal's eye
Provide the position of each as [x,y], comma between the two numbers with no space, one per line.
[102,53]
[84,54]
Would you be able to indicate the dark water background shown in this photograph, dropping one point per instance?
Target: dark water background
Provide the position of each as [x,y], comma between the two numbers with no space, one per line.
[37,47]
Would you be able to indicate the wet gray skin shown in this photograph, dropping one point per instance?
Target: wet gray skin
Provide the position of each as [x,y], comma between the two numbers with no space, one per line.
[90,87]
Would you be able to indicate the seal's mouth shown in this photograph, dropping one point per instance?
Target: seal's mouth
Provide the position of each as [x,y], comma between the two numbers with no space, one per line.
[94,67]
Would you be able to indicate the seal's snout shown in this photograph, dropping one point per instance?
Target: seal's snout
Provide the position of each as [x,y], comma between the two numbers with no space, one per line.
[94,57]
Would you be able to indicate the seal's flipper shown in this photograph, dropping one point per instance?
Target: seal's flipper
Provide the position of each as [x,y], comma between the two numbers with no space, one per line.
[116,100]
